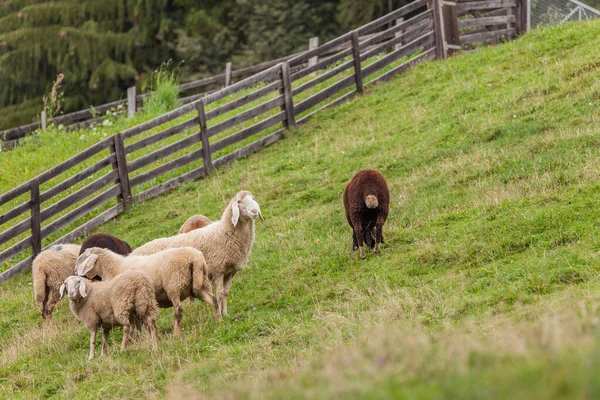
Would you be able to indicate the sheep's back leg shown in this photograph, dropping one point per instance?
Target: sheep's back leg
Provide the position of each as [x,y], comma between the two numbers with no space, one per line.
[44,305]
[178,315]
[151,325]
[379,232]
[218,283]
[358,231]
[227,281]
[207,296]
[92,343]
[105,332]
[126,333]
[50,304]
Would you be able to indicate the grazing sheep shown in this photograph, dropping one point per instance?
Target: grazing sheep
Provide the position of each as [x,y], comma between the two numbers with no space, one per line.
[226,243]
[106,241]
[176,274]
[123,301]
[49,270]
[367,204]
[194,222]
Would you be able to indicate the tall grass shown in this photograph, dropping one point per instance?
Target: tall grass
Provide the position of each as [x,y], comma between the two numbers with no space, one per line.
[163,84]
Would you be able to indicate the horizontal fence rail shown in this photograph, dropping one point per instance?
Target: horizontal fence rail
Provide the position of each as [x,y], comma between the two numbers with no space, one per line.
[226,124]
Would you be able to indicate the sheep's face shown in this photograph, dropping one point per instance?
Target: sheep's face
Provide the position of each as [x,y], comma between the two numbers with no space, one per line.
[75,288]
[84,266]
[244,206]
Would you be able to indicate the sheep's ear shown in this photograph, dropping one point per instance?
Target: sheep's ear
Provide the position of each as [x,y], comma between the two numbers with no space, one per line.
[235,213]
[259,213]
[62,290]
[85,263]
[82,288]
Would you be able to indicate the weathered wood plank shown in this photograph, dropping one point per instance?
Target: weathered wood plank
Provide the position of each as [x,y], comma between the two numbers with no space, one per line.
[80,211]
[169,185]
[245,116]
[323,77]
[157,137]
[264,76]
[206,153]
[288,106]
[424,41]
[252,147]
[323,94]
[484,5]
[485,36]
[16,269]
[15,230]
[163,152]
[15,249]
[79,195]
[399,28]
[430,53]
[500,20]
[15,212]
[36,238]
[78,177]
[401,12]
[304,57]
[167,167]
[409,35]
[247,132]
[324,63]
[54,171]
[237,103]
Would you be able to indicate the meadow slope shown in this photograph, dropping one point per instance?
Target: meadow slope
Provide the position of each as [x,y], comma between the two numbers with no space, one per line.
[487,286]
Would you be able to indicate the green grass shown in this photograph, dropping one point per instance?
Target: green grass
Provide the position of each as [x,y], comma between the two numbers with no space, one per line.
[486,288]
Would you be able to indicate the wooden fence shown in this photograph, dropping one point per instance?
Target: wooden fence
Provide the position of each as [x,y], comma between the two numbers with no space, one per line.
[210,132]
[93,115]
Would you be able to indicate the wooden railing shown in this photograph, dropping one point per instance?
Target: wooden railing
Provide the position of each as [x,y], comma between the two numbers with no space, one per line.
[210,132]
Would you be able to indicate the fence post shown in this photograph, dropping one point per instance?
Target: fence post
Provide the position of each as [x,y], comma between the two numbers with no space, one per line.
[399,33]
[206,156]
[131,94]
[450,21]
[438,27]
[313,43]
[36,235]
[228,74]
[44,120]
[356,57]
[286,90]
[118,148]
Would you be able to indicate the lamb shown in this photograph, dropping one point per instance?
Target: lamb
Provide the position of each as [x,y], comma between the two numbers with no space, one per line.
[367,202]
[226,243]
[175,274]
[123,301]
[194,222]
[49,270]
[106,241]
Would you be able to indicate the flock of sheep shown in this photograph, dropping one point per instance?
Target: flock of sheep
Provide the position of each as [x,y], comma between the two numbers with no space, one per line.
[109,285]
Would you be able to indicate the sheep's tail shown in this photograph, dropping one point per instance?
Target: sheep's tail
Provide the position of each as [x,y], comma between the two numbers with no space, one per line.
[198,277]
[39,287]
[145,303]
[371,201]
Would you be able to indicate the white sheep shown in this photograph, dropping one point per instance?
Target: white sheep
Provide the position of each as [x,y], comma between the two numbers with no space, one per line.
[226,243]
[175,274]
[124,301]
[49,270]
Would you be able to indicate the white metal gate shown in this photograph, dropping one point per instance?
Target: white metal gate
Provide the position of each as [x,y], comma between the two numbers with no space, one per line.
[556,12]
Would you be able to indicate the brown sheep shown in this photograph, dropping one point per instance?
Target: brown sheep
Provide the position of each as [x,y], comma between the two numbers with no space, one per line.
[106,241]
[367,203]
[194,222]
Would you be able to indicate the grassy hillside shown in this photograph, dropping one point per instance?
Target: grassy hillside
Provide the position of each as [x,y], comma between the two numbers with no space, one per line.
[486,288]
